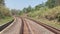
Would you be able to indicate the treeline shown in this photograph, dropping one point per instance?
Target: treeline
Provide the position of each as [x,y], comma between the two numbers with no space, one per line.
[49,10]
[49,4]
[4,11]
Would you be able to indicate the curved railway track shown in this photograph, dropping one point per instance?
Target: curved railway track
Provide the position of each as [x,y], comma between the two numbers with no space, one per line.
[29,26]
[52,29]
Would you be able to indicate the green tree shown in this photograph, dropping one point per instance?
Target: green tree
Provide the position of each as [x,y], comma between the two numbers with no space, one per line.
[24,10]
[37,7]
[2,2]
[29,9]
[15,12]
[4,11]
[57,2]
[51,3]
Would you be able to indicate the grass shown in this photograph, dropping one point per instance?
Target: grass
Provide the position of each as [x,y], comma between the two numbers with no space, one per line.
[40,16]
[5,20]
[51,23]
[54,24]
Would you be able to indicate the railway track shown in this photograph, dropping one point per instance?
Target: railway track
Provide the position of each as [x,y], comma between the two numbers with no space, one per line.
[52,29]
[29,26]
[25,28]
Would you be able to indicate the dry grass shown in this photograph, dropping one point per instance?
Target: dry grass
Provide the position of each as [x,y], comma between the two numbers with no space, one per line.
[39,15]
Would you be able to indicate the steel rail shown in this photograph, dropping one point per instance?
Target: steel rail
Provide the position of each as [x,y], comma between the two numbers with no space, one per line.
[52,29]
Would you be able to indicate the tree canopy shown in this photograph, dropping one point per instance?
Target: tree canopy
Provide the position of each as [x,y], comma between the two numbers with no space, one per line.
[4,11]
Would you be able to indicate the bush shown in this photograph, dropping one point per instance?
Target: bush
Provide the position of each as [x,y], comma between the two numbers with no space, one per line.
[4,12]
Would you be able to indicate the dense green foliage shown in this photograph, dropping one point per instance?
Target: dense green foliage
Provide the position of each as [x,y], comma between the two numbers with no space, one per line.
[43,10]
[2,3]
[5,20]
[51,3]
[48,13]
[4,11]
[57,2]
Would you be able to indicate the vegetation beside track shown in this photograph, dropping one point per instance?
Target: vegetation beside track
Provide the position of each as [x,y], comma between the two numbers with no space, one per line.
[52,23]
[5,13]
[6,20]
[48,13]
[50,16]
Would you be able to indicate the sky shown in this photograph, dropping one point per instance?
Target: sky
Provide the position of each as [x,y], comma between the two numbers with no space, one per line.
[20,4]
